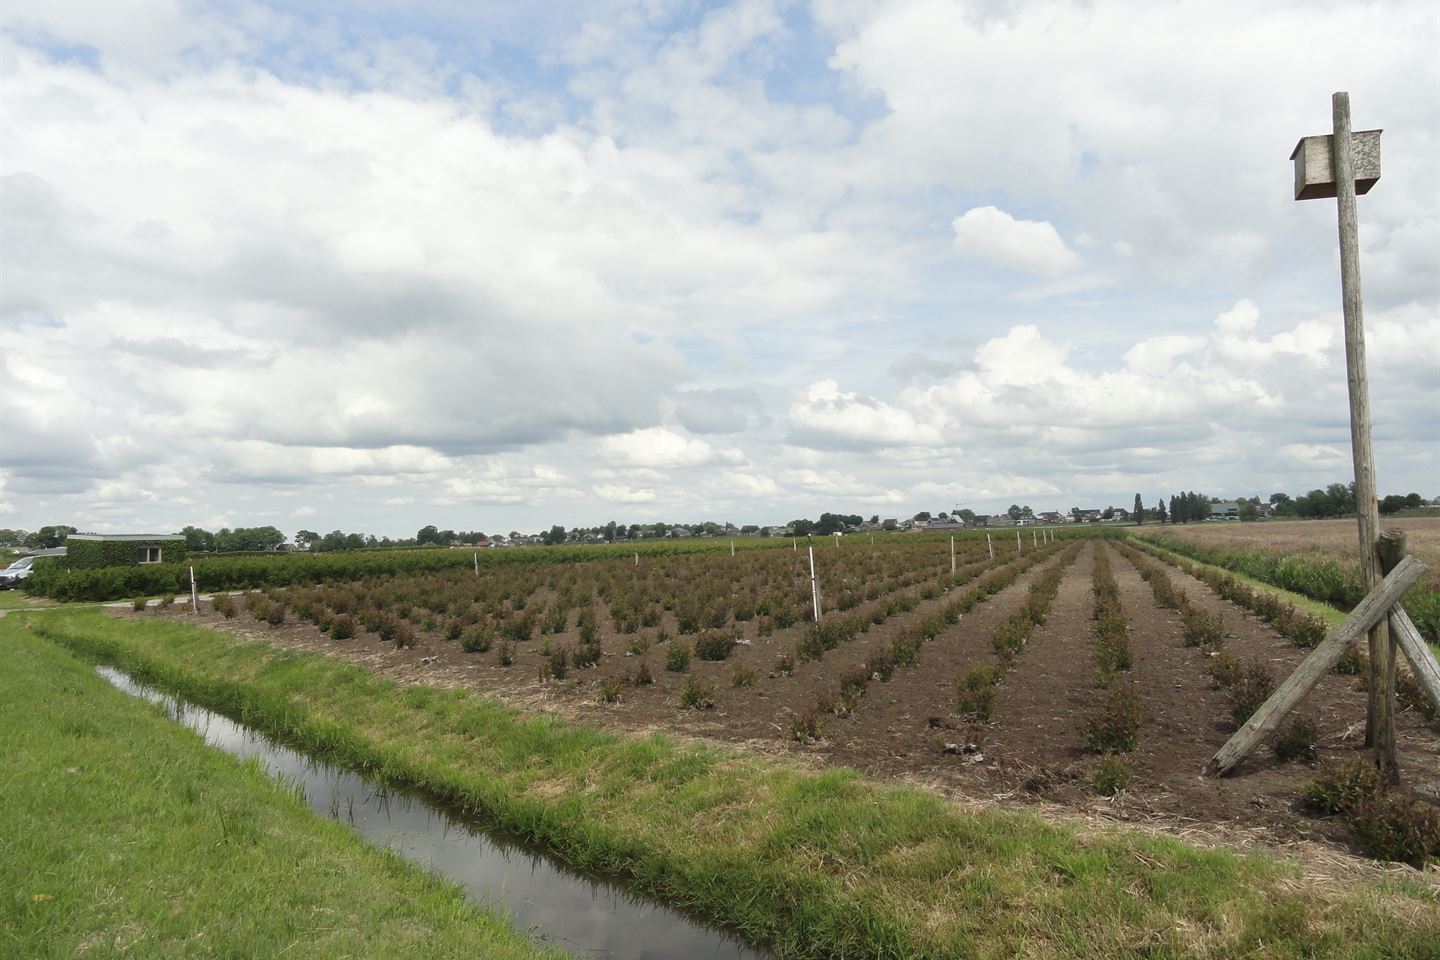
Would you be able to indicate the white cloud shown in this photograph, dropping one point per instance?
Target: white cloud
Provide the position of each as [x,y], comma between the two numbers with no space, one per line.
[829,417]
[661,448]
[1031,246]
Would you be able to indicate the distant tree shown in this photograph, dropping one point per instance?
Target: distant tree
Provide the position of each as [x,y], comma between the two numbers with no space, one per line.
[1160,514]
[1108,513]
[1249,512]
[1174,509]
[198,540]
[802,527]
[967,515]
[749,528]
[876,518]
[306,538]
[634,531]
[1014,511]
[11,538]
[48,538]
[1342,495]
[1140,507]
[922,516]
[554,535]
[611,527]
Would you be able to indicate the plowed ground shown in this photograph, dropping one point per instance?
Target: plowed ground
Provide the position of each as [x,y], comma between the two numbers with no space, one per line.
[1031,753]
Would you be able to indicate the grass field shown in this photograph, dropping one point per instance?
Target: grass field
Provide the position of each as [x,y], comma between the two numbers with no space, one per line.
[815,863]
[122,834]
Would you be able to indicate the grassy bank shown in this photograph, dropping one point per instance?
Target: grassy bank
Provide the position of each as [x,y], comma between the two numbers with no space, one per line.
[122,834]
[817,864]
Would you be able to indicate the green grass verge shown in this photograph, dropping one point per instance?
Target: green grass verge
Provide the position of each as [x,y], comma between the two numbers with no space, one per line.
[1298,600]
[122,834]
[815,863]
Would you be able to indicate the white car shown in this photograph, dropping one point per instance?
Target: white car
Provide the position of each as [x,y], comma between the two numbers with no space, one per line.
[12,575]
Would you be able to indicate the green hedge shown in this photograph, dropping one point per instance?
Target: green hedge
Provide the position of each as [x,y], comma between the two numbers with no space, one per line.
[94,554]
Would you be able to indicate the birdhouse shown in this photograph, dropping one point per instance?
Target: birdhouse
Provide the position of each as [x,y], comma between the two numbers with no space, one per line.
[1314,174]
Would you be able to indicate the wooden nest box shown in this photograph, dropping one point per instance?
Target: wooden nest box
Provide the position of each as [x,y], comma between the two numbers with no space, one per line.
[1314,178]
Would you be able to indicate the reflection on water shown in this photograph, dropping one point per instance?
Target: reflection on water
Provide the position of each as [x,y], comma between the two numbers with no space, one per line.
[558,907]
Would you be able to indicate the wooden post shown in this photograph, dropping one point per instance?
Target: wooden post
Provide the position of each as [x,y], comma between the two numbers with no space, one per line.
[1018,548]
[194,596]
[1369,611]
[1380,716]
[990,546]
[814,586]
[732,548]
[1407,636]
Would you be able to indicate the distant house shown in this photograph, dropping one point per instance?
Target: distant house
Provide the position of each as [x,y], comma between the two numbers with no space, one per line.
[89,550]
[1225,510]
[946,524]
[1050,517]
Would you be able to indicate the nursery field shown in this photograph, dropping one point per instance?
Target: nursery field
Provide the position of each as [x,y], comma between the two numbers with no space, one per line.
[1089,673]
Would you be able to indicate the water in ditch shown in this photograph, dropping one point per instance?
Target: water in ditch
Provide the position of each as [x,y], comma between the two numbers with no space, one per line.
[558,907]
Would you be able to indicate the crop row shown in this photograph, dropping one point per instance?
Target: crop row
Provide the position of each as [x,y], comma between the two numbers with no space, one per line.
[904,649]
[1319,578]
[1250,683]
[976,687]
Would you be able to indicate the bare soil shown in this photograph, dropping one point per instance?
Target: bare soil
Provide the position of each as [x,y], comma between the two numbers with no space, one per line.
[907,729]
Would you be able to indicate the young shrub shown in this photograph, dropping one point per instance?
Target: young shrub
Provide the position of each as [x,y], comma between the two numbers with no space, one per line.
[1202,629]
[1411,696]
[1224,670]
[880,665]
[222,604]
[811,646]
[609,691]
[1251,688]
[742,676]
[638,645]
[1010,636]
[677,657]
[1341,787]
[905,650]
[454,629]
[557,665]
[1115,726]
[805,727]
[1296,741]
[1352,662]
[784,665]
[1111,775]
[166,600]
[696,694]
[342,627]
[275,614]
[976,695]
[642,676]
[138,604]
[518,629]
[404,635]
[476,638]
[505,653]
[1396,826]
[586,655]
[714,645]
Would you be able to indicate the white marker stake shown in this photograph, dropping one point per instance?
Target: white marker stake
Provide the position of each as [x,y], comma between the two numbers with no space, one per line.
[637,559]
[794,546]
[814,586]
[1032,539]
[1018,548]
[194,596]
[990,546]
[952,556]
[732,548]
[476,555]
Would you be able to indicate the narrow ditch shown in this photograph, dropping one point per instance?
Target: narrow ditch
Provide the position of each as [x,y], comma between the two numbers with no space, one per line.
[559,907]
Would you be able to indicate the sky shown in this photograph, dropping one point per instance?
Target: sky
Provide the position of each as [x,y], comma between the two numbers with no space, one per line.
[371,266]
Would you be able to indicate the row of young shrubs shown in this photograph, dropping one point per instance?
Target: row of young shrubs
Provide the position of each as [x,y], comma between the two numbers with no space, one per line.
[1300,628]
[903,650]
[1319,578]
[977,687]
[1249,683]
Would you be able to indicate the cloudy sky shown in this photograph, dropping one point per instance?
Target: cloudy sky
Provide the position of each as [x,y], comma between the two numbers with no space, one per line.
[497,265]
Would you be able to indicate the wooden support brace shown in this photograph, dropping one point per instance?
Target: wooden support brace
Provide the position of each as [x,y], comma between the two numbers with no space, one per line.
[1366,614]
[1422,661]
